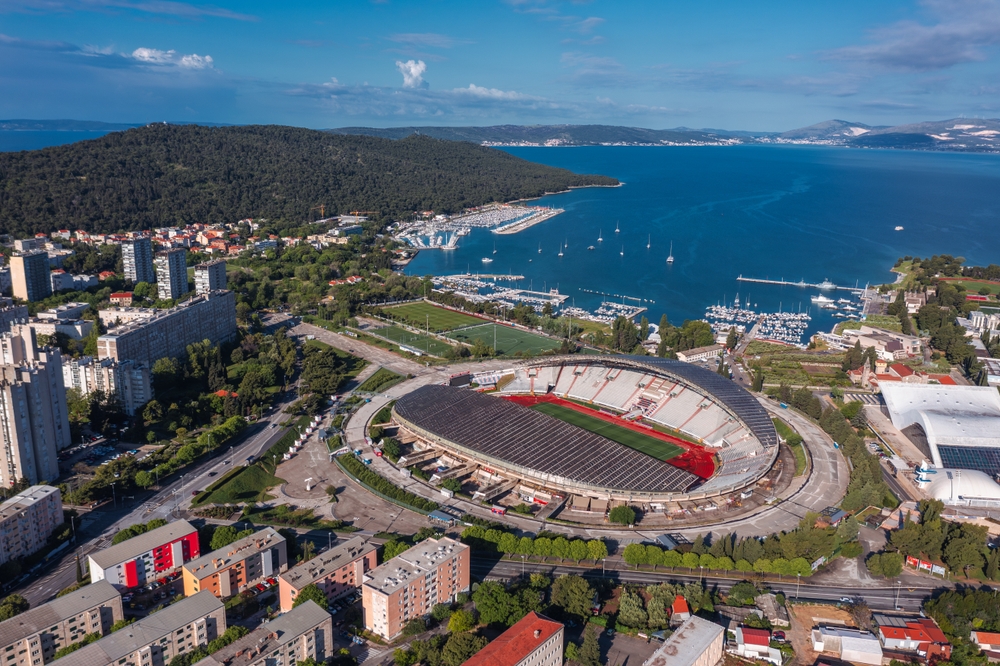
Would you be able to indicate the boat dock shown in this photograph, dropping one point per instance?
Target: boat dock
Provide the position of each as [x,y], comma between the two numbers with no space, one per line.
[825,284]
[481,276]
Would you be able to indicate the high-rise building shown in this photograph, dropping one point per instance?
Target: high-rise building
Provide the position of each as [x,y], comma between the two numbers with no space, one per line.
[34,420]
[33,637]
[137,258]
[27,520]
[129,382]
[29,274]
[167,333]
[11,314]
[210,276]
[412,583]
[171,273]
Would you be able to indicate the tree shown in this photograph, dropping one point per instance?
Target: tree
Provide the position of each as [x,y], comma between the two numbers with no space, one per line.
[79,570]
[13,605]
[622,515]
[732,338]
[414,627]
[310,592]
[461,620]
[631,612]
[888,565]
[225,535]
[460,648]
[392,548]
[578,550]
[573,594]
[493,602]
[441,612]
[590,651]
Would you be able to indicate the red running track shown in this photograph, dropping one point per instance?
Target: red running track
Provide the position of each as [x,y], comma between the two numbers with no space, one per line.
[695,459]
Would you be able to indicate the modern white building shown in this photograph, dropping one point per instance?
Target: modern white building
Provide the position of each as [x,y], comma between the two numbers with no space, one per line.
[171,273]
[210,276]
[137,259]
[853,645]
[129,381]
[142,558]
[697,642]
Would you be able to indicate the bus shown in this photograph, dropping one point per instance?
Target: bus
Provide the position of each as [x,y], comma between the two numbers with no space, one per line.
[499,510]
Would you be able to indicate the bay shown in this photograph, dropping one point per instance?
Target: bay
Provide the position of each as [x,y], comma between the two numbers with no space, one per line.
[15,140]
[779,212]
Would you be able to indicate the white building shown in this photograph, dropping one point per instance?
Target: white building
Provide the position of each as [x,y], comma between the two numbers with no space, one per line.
[137,259]
[853,645]
[127,380]
[27,520]
[210,276]
[171,273]
[697,642]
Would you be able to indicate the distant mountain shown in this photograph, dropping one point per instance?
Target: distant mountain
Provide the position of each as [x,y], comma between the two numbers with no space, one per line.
[86,125]
[555,135]
[958,134]
[830,130]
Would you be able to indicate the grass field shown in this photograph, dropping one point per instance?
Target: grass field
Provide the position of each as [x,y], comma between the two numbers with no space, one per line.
[248,486]
[508,340]
[438,319]
[973,286]
[657,448]
[401,336]
[381,380]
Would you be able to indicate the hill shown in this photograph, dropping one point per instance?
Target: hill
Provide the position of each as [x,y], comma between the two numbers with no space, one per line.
[565,135]
[167,174]
[830,130]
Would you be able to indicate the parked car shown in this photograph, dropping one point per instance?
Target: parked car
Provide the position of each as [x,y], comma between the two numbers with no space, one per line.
[778,636]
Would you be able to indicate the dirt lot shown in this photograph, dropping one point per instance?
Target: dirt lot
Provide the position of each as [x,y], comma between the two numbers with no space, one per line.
[803,618]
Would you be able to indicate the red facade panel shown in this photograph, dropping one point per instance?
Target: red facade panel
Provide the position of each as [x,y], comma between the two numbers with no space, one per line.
[131,575]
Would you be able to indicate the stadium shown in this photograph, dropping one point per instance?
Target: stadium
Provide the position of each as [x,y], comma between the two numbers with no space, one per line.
[596,430]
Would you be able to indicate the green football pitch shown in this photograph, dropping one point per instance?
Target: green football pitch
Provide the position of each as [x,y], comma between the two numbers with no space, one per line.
[651,446]
[508,340]
[423,314]
[419,341]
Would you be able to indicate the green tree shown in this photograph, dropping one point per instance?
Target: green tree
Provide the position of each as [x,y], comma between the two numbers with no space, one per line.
[590,651]
[461,620]
[573,594]
[441,612]
[310,592]
[460,648]
[414,627]
[79,570]
[596,550]
[631,611]
[622,515]
[493,602]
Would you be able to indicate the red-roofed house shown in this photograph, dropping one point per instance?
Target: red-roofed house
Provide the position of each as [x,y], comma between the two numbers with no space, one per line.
[988,642]
[123,298]
[756,644]
[922,636]
[943,379]
[679,611]
[104,275]
[534,640]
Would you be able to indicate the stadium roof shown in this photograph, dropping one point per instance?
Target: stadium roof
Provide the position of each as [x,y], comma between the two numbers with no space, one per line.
[962,487]
[508,433]
[730,395]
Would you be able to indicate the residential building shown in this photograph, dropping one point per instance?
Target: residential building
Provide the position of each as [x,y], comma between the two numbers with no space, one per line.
[121,298]
[171,273]
[60,280]
[11,314]
[700,353]
[410,584]
[991,366]
[29,275]
[63,319]
[137,259]
[889,345]
[167,333]
[210,276]
[305,632]
[33,637]
[28,244]
[65,312]
[136,561]
[679,611]
[230,570]
[84,282]
[120,316]
[775,613]
[921,636]
[756,644]
[34,419]
[853,645]
[534,640]
[128,381]
[27,520]
[155,640]
[338,572]
[697,642]
[6,282]
[988,642]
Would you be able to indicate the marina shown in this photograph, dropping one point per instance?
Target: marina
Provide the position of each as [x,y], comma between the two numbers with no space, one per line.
[442,232]
[826,285]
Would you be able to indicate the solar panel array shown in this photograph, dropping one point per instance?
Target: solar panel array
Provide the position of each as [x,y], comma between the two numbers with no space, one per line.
[520,436]
[727,392]
[970,457]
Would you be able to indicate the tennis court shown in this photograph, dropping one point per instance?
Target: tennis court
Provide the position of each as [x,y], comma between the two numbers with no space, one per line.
[657,448]
[508,340]
[438,319]
[419,341]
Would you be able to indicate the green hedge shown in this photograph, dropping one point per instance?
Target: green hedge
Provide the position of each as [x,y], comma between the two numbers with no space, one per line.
[382,485]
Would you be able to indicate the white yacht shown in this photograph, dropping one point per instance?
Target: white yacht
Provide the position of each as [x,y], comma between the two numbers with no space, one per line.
[670,257]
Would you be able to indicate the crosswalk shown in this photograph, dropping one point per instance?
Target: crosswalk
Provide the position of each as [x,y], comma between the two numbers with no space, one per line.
[866,398]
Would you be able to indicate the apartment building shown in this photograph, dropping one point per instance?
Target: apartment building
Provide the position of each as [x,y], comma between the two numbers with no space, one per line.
[534,640]
[33,637]
[409,585]
[210,276]
[155,640]
[29,275]
[167,333]
[137,259]
[338,572]
[305,632]
[11,314]
[139,560]
[34,419]
[171,273]
[230,570]
[128,381]
[27,520]
[889,345]
[700,353]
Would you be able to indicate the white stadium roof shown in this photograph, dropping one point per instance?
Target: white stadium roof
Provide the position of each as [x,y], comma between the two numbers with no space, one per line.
[950,416]
[966,487]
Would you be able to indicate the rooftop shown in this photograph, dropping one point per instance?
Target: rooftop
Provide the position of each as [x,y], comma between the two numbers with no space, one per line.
[407,566]
[137,545]
[513,645]
[269,636]
[326,563]
[146,631]
[686,645]
[924,630]
[955,415]
[42,617]
[756,636]
[25,499]
[206,565]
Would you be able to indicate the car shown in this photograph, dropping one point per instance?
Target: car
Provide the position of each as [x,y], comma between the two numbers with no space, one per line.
[778,636]
[845,600]
[272,581]
[212,473]
[195,493]
[610,632]
[260,587]
[126,598]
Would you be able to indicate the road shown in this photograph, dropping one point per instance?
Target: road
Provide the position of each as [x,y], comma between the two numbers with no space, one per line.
[910,598]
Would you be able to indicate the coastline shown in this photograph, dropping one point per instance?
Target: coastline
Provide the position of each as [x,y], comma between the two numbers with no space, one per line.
[528,222]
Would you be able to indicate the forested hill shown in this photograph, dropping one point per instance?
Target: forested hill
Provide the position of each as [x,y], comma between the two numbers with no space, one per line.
[166,174]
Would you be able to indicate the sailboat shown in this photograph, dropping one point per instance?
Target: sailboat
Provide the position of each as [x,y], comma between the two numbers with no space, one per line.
[649,241]
[670,257]
[600,236]
[539,248]
[617,230]
[566,243]
[494,247]
[560,251]
[622,253]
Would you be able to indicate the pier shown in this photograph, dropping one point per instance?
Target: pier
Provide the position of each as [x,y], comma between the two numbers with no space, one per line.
[481,276]
[824,285]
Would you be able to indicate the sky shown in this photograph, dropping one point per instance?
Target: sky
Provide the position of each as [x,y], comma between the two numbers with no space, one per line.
[762,66]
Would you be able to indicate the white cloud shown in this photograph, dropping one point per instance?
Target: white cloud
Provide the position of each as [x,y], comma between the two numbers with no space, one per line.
[413,73]
[491,93]
[158,58]
[426,39]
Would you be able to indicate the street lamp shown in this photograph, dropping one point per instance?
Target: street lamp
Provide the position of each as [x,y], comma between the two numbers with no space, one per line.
[798,580]
[114,502]
[701,572]
[522,566]
[603,560]
[898,584]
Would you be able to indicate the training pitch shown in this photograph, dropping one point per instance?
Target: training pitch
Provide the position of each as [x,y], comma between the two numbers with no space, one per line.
[401,336]
[508,340]
[651,446]
[438,319]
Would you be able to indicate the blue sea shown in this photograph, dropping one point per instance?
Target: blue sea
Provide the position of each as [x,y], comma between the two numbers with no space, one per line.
[780,212]
[14,140]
